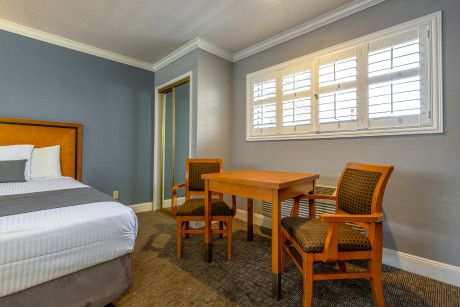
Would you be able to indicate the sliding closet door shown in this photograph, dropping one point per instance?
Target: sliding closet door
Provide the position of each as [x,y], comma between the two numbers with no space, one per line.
[168,149]
[175,140]
[182,127]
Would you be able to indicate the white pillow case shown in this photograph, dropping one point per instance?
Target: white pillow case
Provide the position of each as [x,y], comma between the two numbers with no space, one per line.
[18,152]
[45,162]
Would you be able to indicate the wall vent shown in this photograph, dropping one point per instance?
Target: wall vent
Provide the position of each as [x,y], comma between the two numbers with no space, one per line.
[322,206]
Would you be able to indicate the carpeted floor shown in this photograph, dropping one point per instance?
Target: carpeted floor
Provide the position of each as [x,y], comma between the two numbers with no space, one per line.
[160,279]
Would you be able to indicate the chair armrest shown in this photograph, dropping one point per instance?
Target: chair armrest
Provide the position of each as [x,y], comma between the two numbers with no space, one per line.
[330,252]
[174,197]
[318,196]
[342,218]
[177,186]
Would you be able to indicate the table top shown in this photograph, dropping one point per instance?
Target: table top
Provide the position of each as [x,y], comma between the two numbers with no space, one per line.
[268,179]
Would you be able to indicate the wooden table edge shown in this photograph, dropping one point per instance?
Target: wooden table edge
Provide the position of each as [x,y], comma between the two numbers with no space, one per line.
[271,185]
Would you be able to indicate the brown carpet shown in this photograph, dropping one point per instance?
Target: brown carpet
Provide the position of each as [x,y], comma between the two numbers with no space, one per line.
[160,279]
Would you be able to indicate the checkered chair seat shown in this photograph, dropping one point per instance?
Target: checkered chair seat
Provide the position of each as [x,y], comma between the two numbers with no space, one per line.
[311,234]
[195,207]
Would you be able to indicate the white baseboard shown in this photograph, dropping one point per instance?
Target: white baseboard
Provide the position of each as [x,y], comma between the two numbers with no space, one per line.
[149,206]
[167,203]
[425,267]
[258,219]
[429,268]
[141,207]
[196,224]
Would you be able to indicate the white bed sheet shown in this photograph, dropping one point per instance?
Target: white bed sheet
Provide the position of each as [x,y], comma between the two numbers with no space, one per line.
[39,246]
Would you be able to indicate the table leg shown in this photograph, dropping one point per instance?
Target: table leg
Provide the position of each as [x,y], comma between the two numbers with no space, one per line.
[207,223]
[250,219]
[208,252]
[276,286]
[276,245]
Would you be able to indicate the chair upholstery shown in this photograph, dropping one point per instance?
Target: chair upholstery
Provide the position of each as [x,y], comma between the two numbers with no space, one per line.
[356,190]
[328,239]
[195,207]
[311,235]
[195,182]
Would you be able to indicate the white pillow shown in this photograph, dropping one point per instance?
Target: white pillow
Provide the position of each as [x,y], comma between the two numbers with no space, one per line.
[45,162]
[18,152]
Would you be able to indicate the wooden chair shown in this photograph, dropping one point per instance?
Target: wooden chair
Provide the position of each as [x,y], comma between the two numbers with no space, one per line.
[327,239]
[193,208]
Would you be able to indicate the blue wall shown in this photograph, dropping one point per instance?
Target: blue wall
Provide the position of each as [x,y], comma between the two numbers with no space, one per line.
[113,101]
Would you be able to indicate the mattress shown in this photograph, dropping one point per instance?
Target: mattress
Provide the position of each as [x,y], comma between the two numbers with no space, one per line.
[39,246]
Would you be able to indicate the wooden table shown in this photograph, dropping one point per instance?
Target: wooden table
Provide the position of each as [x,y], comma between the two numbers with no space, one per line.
[269,186]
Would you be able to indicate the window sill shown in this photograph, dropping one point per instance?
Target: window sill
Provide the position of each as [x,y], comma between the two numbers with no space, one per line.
[345,134]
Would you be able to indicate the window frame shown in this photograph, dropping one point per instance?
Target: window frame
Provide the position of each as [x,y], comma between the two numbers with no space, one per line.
[432,22]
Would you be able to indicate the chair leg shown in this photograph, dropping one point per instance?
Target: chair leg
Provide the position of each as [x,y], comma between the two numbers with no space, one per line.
[187,227]
[229,238]
[221,226]
[179,235]
[342,266]
[307,266]
[375,267]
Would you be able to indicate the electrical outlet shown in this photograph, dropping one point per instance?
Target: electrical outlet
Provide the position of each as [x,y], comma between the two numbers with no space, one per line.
[115,194]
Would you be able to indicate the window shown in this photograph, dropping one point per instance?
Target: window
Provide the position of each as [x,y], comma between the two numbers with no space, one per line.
[264,103]
[398,80]
[337,99]
[264,110]
[296,92]
[296,101]
[382,84]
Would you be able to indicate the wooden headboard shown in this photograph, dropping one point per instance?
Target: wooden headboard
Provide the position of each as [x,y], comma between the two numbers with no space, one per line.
[43,134]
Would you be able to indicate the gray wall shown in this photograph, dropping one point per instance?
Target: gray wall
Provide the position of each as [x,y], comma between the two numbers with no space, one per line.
[214,130]
[113,101]
[421,201]
[211,102]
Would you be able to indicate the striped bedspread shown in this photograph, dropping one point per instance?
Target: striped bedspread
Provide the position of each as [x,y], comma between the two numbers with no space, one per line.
[39,246]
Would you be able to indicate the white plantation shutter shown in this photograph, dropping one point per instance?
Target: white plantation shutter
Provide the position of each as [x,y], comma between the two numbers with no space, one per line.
[296,98]
[386,83]
[396,78]
[394,98]
[264,105]
[338,91]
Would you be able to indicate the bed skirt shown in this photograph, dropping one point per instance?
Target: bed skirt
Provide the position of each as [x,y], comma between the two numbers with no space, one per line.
[94,286]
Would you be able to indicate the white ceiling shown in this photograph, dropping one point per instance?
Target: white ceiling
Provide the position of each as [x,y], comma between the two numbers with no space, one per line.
[149,30]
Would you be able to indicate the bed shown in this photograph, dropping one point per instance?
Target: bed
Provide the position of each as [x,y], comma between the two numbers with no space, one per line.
[77,253]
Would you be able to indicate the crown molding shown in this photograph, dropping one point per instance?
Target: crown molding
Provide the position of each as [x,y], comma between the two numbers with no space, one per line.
[334,15]
[216,50]
[330,17]
[67,43]
[192,45]
[176,54]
